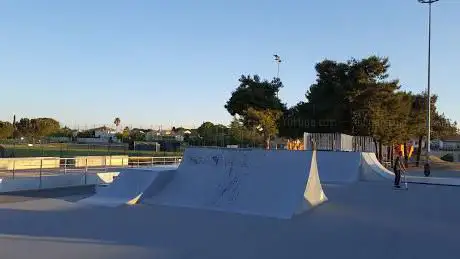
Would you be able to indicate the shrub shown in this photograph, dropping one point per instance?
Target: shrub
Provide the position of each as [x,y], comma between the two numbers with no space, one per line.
[448,158]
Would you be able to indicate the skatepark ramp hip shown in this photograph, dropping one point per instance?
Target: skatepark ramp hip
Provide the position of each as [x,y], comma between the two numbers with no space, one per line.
[130,186]
[339,167]
[272,183]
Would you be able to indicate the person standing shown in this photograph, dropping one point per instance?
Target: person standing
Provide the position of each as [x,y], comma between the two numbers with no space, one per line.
[397,167]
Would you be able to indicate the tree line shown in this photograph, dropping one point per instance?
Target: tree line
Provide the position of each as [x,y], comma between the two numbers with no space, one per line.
[356,97]
[30,128]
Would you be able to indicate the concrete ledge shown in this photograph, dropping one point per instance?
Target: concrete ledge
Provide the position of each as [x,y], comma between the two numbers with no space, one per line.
[92,161]
[29,163]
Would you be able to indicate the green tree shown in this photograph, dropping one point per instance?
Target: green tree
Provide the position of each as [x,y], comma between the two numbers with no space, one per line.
[137,135]
[388,116]
[212,134]
[25,127]
[63,132]
[6,129]
[256,102]
[125,134]
[299,119]
[353,97]
[266,121]
[243,136]
[252,92]
[417,123]
[43,127]
[341,89]
[441,126]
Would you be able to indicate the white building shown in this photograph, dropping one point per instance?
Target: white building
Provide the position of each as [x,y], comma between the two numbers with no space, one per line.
[154,135]
[101,135]
[450,143]
[105,133]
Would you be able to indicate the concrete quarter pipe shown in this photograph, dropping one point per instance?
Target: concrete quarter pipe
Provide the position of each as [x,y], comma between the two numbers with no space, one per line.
[130,185]
[273,183]
[372,170]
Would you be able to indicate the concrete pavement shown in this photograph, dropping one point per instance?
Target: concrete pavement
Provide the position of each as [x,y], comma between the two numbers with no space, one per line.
[364,220]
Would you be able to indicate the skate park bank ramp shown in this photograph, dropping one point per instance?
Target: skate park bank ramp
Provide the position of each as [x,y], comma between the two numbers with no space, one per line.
[130,185]
[338,167]
[372,170]
[271,183]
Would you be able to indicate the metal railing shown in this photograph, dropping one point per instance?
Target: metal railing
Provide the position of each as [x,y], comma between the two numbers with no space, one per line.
[152,161]
[40,166]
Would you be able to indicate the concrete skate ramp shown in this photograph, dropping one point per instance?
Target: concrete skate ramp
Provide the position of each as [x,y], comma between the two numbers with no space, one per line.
[130,185]
[272,183]
[373,170]
[339,167]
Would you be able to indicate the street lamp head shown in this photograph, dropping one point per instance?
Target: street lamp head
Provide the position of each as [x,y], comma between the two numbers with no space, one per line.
[427,1]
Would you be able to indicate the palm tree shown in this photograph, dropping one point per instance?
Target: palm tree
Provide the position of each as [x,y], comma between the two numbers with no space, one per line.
[117,122]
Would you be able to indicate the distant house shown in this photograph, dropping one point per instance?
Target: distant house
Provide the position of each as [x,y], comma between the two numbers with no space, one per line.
[450,143]
[101,135]
[156,135]
[104,132]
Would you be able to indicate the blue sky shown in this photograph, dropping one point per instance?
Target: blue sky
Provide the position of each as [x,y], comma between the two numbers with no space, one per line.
[176,62]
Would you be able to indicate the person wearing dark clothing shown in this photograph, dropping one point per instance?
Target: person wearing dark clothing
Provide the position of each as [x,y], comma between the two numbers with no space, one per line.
[398,166]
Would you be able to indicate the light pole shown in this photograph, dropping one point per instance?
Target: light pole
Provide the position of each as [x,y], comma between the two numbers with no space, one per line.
[277,60]
[428,121]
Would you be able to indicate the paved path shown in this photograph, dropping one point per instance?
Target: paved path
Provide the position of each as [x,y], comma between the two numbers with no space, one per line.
[365,220]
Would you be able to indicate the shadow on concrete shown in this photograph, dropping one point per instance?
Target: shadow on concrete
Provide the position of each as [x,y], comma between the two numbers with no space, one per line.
[66,193]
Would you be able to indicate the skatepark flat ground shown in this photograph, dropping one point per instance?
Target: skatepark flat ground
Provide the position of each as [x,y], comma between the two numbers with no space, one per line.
[363,220]
[435,173]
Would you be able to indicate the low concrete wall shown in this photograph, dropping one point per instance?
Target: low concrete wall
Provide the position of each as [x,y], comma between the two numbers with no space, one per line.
[92,161]
[117,160]
[54,181]
[4,163]
[29,163]
[83,161]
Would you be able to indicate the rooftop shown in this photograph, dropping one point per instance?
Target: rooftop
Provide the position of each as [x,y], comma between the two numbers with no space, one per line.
[451,139]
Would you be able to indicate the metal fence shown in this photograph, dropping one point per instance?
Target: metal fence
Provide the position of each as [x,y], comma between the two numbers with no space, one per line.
[339,142]
[42,166]
[152,161]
